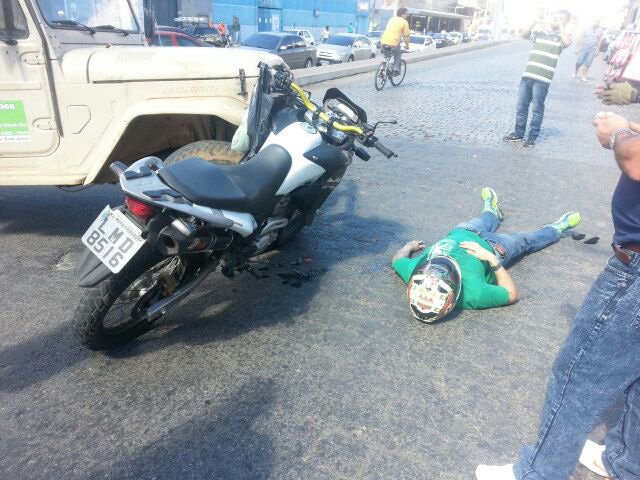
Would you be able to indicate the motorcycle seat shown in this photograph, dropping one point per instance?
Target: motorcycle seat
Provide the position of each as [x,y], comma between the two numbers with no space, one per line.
[248,187]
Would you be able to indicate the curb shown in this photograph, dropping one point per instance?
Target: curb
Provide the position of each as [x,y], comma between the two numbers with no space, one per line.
[331,72]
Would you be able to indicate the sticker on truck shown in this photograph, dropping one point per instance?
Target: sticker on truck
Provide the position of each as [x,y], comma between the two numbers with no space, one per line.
[13,122]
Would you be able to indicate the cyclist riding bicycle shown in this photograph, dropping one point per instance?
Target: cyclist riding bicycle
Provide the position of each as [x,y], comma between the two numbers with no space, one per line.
[397,29]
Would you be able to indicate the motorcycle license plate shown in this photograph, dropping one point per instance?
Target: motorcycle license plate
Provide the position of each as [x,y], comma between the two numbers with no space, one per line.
[113,238]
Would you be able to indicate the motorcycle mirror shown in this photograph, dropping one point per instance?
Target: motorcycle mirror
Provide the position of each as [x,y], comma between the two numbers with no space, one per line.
[385,122]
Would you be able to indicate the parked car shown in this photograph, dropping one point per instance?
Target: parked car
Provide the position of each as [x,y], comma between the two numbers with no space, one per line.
[346,47]
[375,37]
[174,38]
[455,38]
[305,34]
[466,38]
[419,43]
[292,48]
[441,40]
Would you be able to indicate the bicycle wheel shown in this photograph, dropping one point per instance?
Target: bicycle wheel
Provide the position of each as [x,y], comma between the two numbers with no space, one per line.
[381,76]
[397,80]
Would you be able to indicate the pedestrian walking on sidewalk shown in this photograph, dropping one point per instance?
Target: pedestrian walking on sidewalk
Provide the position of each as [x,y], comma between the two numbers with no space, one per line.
[587,49]
[467,268]
[537,76]
[396,31]
[350,28]
[600,359]
[235,30]
[326,33]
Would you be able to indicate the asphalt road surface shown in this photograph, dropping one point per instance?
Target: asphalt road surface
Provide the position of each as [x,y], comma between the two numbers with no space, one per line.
[253,378]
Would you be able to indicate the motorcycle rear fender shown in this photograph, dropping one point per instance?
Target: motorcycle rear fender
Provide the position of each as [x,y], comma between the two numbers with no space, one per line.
[89,270]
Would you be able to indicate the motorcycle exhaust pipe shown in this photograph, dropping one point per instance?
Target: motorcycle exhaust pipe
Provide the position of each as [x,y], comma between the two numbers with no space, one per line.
[182,237]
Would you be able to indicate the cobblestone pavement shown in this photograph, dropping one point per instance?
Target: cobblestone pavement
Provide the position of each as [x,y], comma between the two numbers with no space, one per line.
[471,98]
[254,379]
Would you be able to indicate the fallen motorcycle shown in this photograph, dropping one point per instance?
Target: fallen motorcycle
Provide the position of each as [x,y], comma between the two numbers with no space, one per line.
[181,221]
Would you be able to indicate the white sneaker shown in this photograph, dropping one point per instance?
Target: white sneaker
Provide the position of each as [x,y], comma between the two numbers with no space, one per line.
[584,79]
[591,457]
[502,472]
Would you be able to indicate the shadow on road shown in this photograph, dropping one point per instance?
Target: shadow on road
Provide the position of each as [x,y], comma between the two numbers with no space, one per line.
[224,443]
[246,303]
[53,212]
[239,305]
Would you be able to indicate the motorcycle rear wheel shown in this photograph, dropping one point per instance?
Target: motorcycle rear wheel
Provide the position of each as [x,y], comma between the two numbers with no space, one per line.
[397,80]
[381,76]
[110,314]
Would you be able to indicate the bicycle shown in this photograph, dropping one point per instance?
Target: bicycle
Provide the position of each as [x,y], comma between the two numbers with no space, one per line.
[385,70]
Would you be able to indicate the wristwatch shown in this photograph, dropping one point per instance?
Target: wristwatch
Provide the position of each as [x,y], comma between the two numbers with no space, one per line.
[614,136]
[496,268]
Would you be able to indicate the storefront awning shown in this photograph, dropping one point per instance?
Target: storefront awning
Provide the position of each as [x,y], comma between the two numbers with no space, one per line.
[434,13]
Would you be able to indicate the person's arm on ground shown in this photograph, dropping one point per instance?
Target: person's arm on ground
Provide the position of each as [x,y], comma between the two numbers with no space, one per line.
[503,278]
[407,250]
[615,131]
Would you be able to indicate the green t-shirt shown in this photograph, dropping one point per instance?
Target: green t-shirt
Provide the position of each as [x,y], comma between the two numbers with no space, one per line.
[479,289]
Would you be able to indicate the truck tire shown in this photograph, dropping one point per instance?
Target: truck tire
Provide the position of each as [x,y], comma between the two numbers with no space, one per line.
[214,151]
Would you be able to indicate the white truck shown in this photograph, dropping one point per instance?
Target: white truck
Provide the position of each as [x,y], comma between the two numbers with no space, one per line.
[80,88]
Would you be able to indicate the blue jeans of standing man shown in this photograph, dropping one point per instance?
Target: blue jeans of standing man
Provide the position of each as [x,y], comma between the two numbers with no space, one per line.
[531,92]
[599,362]
[509,247]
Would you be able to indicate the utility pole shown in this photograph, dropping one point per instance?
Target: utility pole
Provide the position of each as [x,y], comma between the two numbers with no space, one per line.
[497,18]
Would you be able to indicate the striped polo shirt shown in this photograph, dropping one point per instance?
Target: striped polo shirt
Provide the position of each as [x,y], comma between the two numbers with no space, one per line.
[544,57]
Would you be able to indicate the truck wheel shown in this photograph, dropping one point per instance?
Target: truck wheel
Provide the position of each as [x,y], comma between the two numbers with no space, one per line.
[308,63]
[214,151]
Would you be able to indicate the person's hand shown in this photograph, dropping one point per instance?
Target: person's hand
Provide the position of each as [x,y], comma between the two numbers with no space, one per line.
[606,123]
[474,248]
[414,245]
[618,94]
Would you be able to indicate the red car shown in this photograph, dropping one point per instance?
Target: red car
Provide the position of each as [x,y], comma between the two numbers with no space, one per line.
[172,38]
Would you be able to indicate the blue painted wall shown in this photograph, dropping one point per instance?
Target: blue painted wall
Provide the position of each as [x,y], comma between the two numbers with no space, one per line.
[337,14]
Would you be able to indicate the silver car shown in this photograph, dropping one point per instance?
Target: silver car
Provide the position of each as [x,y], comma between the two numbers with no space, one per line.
[292,48]
[346,47]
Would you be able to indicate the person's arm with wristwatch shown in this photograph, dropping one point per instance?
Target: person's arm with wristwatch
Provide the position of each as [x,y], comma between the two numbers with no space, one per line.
[620,135]
[503,278]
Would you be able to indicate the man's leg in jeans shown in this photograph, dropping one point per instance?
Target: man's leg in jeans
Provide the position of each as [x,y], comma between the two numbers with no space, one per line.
[524,99]
[622,455]
[487,222]
[397,56]
[597,362]
[540,90]
[515,245]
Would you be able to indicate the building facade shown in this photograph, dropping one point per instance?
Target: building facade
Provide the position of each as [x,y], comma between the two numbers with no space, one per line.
[271,15]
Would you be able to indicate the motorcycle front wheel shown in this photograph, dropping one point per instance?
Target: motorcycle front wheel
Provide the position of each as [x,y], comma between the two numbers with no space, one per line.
[114,311]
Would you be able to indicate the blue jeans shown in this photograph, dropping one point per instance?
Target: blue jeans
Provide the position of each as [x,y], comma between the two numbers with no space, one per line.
[599,361]
[509,247]
[531,91]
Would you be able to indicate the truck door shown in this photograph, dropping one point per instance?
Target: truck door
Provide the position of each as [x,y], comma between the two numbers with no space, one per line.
[27,120]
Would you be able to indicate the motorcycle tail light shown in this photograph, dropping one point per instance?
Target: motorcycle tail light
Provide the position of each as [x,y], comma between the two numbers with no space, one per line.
[139,208]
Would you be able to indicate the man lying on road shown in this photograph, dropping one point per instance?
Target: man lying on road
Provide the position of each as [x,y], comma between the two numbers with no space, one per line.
[467,268]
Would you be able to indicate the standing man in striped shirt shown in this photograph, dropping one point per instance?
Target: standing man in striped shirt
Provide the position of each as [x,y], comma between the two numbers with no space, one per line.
[537,76]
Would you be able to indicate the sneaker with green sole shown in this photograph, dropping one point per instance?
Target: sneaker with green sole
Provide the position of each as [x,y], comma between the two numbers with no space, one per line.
[565,222]
[490,200]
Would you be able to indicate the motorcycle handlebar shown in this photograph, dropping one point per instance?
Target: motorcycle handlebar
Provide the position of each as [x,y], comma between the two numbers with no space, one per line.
[323,116]
[383,150]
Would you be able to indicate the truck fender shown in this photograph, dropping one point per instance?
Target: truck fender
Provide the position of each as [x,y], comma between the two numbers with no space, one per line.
[89,270]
